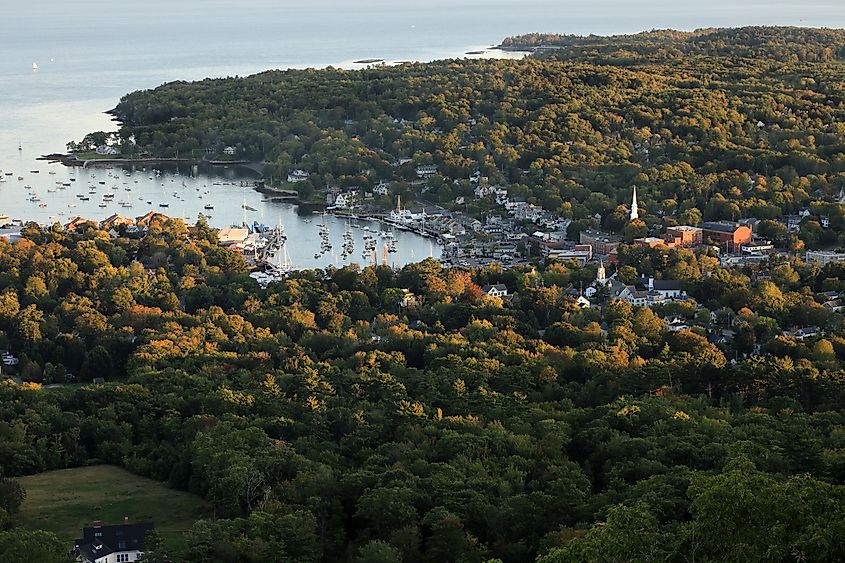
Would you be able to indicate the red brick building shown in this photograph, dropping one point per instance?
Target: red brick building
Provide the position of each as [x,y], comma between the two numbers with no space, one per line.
[727,235]
[601,243]
[685,235]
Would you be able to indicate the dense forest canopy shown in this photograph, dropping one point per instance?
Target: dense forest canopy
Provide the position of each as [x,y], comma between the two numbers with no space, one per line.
[325,421]
[328,417]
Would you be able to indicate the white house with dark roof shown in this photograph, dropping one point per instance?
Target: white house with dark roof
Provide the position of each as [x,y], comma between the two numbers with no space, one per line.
[382,188]
[107,150]
[803,333]
[121,543]
[663,290]
[647,291]
[9,360]
[496,290]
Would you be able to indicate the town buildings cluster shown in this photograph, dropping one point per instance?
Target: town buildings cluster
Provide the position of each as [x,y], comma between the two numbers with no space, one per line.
[514,231]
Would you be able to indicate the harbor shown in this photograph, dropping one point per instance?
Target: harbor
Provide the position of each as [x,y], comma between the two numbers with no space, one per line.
[226,196]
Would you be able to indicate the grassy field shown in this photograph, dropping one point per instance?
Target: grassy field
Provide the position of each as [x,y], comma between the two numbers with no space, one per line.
[66,500]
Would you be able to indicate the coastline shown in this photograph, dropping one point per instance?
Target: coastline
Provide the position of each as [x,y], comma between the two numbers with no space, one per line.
[45,157]
[477,51]
[72,160]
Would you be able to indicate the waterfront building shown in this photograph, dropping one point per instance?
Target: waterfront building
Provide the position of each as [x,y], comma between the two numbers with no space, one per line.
[11,235]
[149,218]
[115,221]
[107,151]
[345,200]
[232,235]
[78,224]
[401,216]
[382,188]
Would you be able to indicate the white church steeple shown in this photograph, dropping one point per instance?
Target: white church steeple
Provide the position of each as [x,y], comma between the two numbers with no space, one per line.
[635,213]
[601,275]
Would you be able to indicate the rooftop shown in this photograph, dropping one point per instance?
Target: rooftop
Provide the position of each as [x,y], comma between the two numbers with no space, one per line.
[99,541]
[721,226]
[497,287]
[600,235]
[11,234]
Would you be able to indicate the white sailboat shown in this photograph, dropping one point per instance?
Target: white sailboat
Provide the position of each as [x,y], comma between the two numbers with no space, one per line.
[276,260]
[34,66]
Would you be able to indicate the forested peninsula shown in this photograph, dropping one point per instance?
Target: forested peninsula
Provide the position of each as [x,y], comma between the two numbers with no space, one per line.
[413,415]
[711,125]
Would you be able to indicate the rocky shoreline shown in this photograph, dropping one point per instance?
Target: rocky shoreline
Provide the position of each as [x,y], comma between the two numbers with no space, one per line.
[73,160]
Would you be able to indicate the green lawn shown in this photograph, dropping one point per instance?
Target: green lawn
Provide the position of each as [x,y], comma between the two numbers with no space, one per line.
[65,501]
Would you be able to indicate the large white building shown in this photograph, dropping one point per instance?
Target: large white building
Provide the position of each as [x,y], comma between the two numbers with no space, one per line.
[426,170]
[122,543]
[647,291]
[824,257]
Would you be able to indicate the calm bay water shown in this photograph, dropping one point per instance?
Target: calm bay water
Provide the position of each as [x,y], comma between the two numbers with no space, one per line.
[90,53]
